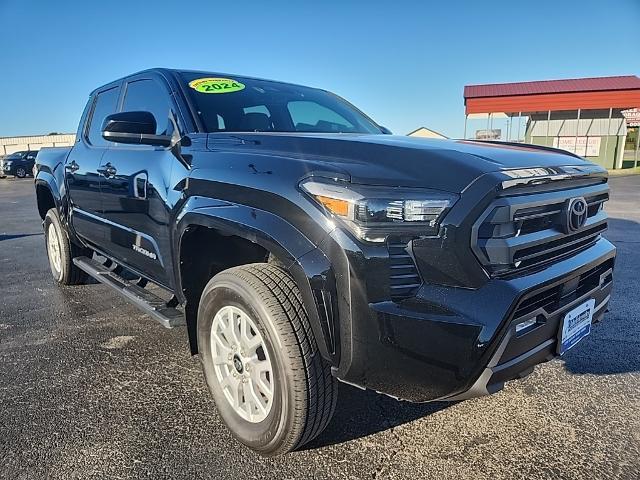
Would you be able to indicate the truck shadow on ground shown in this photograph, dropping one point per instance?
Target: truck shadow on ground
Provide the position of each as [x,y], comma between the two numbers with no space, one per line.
[19,235]
[362,413]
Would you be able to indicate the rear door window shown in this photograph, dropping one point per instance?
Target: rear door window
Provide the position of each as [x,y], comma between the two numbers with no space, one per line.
[105,104]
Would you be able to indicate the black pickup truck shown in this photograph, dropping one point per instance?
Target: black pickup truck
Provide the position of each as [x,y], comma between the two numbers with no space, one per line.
[19,164]
[301,244]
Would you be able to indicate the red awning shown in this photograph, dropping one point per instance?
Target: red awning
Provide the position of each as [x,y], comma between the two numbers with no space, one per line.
[554,95]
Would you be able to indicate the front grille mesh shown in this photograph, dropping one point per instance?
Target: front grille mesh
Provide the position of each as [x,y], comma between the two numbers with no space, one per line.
[549,251]
[553,298]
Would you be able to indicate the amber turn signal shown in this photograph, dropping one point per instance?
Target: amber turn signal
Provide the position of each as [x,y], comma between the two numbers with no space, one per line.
[334,205]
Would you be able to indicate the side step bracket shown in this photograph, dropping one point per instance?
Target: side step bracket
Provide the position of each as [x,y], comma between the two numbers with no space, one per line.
[149,303]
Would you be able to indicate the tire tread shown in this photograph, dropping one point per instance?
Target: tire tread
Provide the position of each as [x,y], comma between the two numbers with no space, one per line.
[317,388]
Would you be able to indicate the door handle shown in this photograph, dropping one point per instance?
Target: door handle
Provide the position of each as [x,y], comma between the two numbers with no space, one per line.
[72,167]
[108,171]
[140,185]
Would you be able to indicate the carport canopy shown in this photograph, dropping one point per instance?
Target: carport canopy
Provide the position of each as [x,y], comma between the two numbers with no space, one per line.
[553,95]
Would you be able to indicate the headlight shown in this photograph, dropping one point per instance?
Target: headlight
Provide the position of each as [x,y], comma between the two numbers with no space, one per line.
[373,213]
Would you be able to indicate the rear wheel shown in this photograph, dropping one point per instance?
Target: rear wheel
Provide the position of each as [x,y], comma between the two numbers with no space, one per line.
[21,172]
[271,386]
[61,251]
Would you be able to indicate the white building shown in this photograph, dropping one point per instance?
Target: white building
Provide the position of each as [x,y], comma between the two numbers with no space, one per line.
[15,144]
[425,133]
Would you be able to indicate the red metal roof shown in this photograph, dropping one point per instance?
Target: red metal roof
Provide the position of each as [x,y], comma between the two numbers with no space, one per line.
[628,82]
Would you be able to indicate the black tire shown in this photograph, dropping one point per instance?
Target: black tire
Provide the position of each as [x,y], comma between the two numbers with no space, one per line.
[305,392]
[67,273]
[21,172]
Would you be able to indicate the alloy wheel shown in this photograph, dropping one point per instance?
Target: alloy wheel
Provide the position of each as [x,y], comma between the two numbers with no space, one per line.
[53,247]
[242,364]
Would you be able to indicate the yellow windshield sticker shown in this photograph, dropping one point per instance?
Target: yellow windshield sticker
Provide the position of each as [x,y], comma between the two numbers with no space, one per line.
[216,85]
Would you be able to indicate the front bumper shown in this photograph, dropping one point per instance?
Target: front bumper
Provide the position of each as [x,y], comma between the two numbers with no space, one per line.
[454,343]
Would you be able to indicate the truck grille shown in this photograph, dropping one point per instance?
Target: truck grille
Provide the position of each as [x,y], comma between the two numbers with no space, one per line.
[548,306]
[404,279]
[556,297]
[521,232]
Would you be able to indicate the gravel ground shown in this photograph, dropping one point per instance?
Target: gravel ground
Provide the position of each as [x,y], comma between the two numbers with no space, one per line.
[91,388]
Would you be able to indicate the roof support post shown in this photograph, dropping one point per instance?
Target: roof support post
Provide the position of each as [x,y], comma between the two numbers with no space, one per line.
[617,163]
[519,122]
[635,162]
[606,140]
[466,116]
[487,128]
[575,147]
[548,126]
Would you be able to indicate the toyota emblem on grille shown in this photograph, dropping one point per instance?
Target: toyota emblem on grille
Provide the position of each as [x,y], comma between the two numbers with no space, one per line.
[575,214]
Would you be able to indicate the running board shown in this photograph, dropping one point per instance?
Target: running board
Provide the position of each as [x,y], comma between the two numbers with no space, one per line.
[143,299]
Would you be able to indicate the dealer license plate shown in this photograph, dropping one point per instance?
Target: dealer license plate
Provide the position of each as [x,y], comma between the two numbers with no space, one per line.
[576,325]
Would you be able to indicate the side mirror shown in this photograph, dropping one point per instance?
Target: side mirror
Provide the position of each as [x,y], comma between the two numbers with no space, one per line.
[385,130]
[137,128]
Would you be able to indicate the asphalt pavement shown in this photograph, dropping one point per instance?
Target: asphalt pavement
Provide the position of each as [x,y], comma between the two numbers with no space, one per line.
[92,388]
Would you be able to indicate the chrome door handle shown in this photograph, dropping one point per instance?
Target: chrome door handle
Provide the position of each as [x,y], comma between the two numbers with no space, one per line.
[108,171]
[72,167]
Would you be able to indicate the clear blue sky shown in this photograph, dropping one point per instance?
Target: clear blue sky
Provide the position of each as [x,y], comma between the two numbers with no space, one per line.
[404,63]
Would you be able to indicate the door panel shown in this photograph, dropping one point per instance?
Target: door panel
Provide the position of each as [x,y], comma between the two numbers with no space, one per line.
[81,169]
[135,205]
[135,185]
[83,185]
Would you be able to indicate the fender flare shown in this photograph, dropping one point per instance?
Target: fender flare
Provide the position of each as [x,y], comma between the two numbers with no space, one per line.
[48,181]
[306,263]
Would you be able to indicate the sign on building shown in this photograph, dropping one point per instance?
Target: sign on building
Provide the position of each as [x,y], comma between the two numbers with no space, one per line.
[583,146]
[632,116]
[493,134]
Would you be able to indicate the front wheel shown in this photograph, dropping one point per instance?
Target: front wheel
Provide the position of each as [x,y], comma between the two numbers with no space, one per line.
[271,386]
[21,172]
[61,251]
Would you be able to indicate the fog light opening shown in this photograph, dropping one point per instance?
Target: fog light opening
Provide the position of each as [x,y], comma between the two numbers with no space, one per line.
[527,325]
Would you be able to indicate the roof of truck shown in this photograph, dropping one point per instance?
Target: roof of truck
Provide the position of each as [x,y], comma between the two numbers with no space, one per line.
[174,71]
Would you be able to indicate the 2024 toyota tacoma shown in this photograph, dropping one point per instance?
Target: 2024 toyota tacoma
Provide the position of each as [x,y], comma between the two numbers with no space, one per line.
[301,243]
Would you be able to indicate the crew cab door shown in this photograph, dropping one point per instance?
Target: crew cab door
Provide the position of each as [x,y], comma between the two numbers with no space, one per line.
[81,168]
[135,187]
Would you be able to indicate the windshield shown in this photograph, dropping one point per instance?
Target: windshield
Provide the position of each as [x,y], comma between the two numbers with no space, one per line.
[14,156]
[238,104]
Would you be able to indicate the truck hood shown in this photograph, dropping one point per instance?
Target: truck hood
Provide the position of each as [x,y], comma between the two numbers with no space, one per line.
[393,160]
